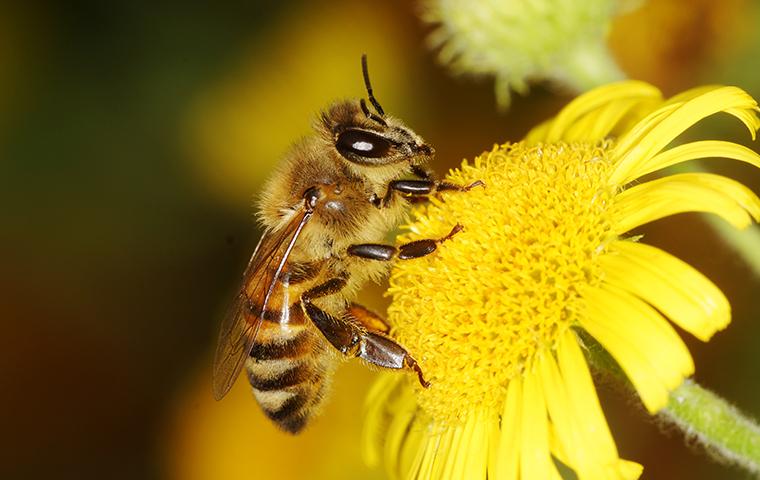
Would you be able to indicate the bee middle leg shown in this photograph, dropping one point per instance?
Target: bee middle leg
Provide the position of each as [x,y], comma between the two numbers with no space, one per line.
[406,251]
[354,337]
[418,190]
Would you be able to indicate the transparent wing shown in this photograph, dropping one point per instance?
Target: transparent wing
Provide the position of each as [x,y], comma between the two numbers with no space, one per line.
[243,319]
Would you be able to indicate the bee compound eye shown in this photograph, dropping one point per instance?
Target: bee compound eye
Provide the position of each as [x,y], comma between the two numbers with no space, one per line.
[352,143]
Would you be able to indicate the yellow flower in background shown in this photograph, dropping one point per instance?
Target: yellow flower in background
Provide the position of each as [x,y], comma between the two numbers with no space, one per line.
[522,40]
[494,316]
[669,43]
[233,440]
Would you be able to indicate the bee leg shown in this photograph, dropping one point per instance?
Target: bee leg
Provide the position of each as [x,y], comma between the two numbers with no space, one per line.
[338,332]
[420,188]
[367,318]
[378,347]
[406,251]
[352,340]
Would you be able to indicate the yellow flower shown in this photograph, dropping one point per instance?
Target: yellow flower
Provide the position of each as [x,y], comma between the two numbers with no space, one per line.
[494,316]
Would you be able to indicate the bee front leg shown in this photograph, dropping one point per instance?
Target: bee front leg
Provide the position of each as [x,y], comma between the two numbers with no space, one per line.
[406,251]
[351,339]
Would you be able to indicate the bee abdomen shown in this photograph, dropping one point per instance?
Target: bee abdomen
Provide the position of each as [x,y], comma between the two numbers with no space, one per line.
[294,347]
[288,378]
[289,399]
[281,405]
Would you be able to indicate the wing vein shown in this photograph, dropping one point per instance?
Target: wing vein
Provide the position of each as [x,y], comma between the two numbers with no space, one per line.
[242,323]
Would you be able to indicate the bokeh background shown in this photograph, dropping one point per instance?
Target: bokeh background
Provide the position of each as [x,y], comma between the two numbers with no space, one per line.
[133,137]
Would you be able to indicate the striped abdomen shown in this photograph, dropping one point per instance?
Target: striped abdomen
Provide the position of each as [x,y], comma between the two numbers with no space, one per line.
[290,368]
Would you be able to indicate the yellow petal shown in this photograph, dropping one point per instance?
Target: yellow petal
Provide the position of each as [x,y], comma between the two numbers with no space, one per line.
[561,413]
[629,141]
[475,459]
[598,124]
[672,286]
[538,133]
[442,453]
[630,470]
[506,465]
[686,192]
[567,430]
[455,452]
[396,436]
[691,94]
[647,348]
[423,468]
[694,151]
[634,149]
[493,448]
[577,417]
[375,417]
[535,460]
[587,412]
[555,446]
[589,102]
[413,450]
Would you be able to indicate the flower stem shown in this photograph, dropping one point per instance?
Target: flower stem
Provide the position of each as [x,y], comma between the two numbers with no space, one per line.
[719,427]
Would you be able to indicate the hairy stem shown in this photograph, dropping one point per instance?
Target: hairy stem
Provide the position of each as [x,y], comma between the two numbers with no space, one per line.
[715,424]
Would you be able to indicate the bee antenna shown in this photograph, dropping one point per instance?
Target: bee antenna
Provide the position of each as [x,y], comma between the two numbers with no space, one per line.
[372,98]
[370,115]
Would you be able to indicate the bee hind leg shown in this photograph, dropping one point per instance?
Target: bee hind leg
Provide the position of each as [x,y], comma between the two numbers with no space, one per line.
[358,337]
[381,350]
[367,318]
[379,347]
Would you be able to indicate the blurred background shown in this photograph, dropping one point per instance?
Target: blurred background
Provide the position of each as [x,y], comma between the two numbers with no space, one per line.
[133,138]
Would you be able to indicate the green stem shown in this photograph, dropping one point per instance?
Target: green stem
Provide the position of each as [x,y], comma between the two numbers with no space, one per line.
[715,424]
[702,415]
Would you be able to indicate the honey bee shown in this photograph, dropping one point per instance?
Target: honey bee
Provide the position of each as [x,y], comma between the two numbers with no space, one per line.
[325,210]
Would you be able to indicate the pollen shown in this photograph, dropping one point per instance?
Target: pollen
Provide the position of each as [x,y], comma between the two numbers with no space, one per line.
[508,287]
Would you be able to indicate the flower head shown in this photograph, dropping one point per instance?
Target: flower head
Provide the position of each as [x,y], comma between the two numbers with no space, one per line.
[494,316]
[521,40]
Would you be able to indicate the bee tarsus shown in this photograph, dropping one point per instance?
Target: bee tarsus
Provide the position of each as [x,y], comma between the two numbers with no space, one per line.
[354,336]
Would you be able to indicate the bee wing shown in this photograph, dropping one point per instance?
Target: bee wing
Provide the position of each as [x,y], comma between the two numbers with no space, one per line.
[241,324]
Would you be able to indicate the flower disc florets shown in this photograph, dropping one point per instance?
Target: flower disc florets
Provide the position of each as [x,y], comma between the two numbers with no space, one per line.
[504,288]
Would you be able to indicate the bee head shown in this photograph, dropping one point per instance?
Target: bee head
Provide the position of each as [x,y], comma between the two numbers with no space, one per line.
[368,138]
